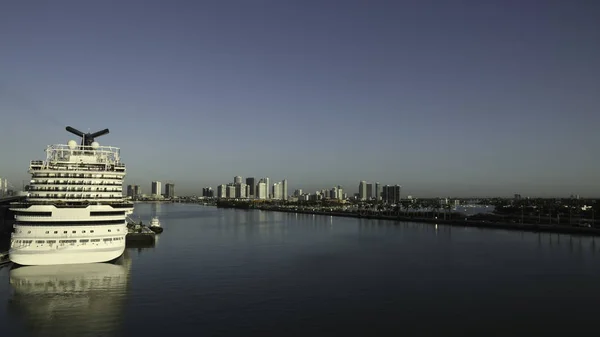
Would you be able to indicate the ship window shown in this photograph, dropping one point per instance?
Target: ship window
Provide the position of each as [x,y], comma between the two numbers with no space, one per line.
[108,231]
[40,241]
[65,232]
[95,240]
[55,232]
[51,241]
[92,231]
[47,232]
[83,231]
[29,232]
[108,239]
[84,240]
[74,232]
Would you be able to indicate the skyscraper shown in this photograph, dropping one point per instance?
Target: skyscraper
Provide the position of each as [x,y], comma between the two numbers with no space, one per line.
[268,183]
[221,192]
[250,182]
[261,190]
[169,190]
[284,189]
[156,189]
[362,190]
[230,191]
[240,191]
[237,180]
[130,191]
[277,191]
[377,191]
[369,191]
[391,194]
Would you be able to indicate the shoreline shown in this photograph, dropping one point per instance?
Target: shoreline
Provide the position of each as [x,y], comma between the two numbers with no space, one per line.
[536,228]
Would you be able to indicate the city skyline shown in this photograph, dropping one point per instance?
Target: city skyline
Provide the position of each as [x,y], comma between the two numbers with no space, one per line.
[461,99]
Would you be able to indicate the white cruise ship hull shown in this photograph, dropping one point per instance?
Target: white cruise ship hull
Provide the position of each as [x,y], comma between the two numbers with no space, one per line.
[28,256]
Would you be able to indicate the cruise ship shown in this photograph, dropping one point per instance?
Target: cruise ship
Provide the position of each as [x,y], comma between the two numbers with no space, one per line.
[75,211]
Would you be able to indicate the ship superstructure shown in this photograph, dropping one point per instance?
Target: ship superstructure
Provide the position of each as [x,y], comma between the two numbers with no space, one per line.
[75,211]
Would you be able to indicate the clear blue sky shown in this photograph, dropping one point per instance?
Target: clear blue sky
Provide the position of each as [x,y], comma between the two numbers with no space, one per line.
[443,97]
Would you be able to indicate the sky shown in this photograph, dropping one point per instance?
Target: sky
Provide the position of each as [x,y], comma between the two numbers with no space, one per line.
[446,98]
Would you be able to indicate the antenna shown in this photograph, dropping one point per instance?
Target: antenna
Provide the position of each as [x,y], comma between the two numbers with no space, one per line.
[87,138]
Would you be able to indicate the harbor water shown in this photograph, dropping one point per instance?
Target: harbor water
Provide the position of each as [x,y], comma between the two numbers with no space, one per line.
[227,272]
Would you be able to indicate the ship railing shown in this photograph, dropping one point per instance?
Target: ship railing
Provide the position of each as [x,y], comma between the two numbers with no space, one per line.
[62,152]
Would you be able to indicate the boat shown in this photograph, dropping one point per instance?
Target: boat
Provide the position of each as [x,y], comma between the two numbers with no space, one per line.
[155,225]
[74,211]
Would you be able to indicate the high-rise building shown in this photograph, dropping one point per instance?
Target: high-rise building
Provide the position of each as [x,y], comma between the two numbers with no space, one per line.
[130,191]
[369,191]
[277,191]
[240,191]
[156,189]
[221,191]
[170,190]
[247,192]
[391,194]
[333,193]
[298,192]
[237,180]
[261,190]
[252,184]
[208,192]
[137,191]
[362,190]
[377,191]
[268,183]
[340,193]
[284,188]
[231,191]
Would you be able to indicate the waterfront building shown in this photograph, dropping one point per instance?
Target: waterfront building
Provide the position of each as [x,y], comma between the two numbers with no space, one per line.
[230,194]
[362,190]
[261,190]
[284,189]
[252,185]
[377,191]
[369,191]
[156,189]
[240,191]
[221,192]
[277,192]
[268,186]
[130,191]
[340,193]
[169,190]
[237,180]
[208,192]
[391,194]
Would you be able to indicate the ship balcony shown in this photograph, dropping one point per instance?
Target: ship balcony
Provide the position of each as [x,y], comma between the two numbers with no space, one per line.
[36,164]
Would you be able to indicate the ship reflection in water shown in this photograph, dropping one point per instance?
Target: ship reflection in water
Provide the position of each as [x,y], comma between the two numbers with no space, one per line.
[70,300]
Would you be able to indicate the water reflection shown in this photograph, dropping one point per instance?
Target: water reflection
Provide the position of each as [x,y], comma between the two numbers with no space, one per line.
[70,300]
[155,209]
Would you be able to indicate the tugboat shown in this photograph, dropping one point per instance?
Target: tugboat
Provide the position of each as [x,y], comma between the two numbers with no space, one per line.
[155,225]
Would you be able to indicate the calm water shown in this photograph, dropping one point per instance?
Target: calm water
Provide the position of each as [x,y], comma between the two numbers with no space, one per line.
[239,273]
